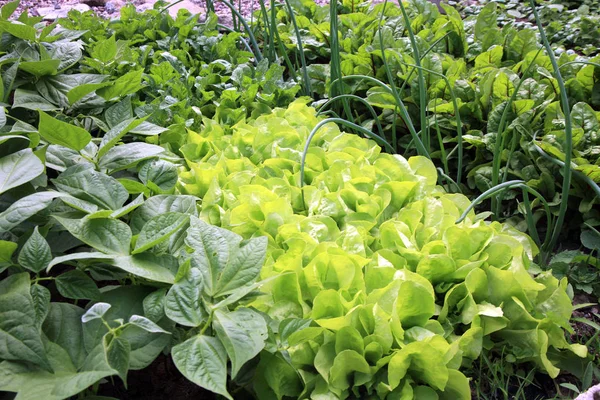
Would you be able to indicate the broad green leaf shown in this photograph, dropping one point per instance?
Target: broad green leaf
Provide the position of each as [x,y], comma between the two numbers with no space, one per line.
[78,256]
[79,92]
[20,338]
[138,201]
[40,68]
[18,29]
[96,311]
[243,267]
[183,303]
[35,254]
[7,249]
[590,239]
[203,360]
[126,84]
[457,387]
[19,168]
[112,137]
[32,101]
[12,143]
[77,285]
[127,155]
[243,333]
[160,175]
[159,229]
[24,208]
[107,235]
[211,252]
[68,53]
[105,50]
[8,9]
[276,378]
[86,184]
[146,324]
[117,352]
[415,304]
[118,112]
[346,363]
[148,266]
[154,305]
[41,302]
[162,204]
[61,133]
[63,326]
[38,384]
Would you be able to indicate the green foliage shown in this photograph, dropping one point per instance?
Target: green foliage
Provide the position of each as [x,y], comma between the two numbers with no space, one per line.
[162,191]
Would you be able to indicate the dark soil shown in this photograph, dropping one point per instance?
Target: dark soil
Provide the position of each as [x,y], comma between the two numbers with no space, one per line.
[159,381]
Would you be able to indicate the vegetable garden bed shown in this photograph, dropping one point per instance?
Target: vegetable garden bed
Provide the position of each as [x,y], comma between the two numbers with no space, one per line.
[350,201]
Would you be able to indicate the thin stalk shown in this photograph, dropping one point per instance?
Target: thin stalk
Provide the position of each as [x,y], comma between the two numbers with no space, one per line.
[456,115]
[593,185]
[422,87]
[545,246]
[257,52]
[268,29]
[403,111]
[349,124]
[447,178]
[305,78]
[336,65]
[440,141]
[566,186]
[421,149]
[360,99]
[499,144]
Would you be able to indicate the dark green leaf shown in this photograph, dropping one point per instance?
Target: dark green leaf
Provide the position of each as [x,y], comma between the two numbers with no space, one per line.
[77,285]
[203,360]
[35,254]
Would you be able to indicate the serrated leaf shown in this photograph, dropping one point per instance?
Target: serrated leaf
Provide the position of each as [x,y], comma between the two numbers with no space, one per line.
[159,229]
[19,168]
[62,133]
[35,254]
[243,333]
[96,311]
[77,285]
[203,360]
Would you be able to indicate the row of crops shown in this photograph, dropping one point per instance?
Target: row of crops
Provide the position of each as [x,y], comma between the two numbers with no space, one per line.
[379,201]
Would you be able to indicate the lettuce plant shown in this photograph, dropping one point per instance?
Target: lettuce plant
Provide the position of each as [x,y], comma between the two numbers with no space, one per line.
[382,292]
